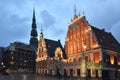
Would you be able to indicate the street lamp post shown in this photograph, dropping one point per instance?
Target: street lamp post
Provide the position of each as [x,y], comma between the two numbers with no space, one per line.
[83,64]
[24,66]
[58,67]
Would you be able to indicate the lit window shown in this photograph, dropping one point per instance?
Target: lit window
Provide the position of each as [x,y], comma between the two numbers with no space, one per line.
[118,60]
[112,59]
[74,60]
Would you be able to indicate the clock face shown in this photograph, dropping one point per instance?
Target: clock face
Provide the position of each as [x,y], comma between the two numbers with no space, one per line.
[75,25]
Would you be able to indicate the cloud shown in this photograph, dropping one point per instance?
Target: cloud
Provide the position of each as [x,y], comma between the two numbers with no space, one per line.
[12,27]
[16,15]
[104,14]
[14,21]
[48,19]
[115,29]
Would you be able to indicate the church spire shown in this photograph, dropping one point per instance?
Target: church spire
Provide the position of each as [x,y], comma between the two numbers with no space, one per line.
[33,39]
[33,19]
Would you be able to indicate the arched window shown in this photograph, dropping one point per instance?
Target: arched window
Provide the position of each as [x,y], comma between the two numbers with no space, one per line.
[70,60]
[74,60]
[112,59]
[118,58]
[96,57]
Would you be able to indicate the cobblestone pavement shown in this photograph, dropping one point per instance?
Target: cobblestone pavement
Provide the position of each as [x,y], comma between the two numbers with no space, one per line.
[36,77]
[28,77]
[32,77]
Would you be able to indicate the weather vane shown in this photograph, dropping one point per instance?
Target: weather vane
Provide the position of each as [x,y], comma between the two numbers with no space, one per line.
[41,28]
[75,8]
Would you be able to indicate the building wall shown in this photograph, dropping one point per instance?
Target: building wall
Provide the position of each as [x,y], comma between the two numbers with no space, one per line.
[81,40]
[45,64]
[19,58]
[41,60]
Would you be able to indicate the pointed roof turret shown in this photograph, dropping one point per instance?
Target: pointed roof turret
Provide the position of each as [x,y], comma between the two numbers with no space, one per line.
[41,34]
[75,11]
[83,13]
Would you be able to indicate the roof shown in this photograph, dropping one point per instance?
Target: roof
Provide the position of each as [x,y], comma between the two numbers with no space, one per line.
[51,46]
[22,46]
[106,40]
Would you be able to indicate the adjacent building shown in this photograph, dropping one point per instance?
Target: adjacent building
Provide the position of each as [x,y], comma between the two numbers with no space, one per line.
[50,55]
[19,58]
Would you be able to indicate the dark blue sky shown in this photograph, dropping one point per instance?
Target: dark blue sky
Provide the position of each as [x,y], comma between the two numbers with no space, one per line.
[54,16]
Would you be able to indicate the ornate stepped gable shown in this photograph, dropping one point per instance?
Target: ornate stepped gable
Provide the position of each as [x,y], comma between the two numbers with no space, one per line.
[48,47]
[79,34]
[47,53]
